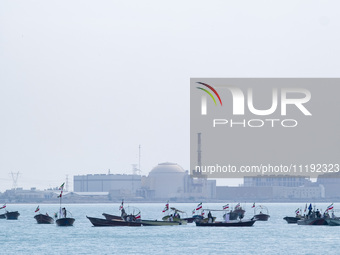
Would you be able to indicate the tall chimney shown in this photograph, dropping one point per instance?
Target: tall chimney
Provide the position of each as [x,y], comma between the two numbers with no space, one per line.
[199,151]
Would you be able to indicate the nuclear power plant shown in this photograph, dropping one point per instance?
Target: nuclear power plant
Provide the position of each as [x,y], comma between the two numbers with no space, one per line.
[165,181]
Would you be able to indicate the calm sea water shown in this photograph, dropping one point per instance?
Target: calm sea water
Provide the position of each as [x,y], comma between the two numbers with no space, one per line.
[25,236]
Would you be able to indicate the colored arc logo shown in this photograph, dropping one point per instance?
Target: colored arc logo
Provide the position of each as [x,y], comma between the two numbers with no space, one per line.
[212,89]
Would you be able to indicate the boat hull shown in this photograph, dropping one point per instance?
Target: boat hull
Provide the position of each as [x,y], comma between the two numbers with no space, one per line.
[65,222]
[12,215]
[97,222]
[3,216]
[160,223]
[246,223]
[111,217]
[333,222]
[315,221]
[261,217]
[189,220]
[43,219]
[292,220]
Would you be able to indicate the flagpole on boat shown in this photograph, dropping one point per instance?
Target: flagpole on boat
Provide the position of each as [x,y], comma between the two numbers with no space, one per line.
[60,205]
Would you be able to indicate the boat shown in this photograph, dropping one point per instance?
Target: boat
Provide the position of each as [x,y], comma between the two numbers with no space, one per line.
[333,221]
[259,215]
[293,220]
[65,222]
[12,215]
[298,216]
[314,217]
[3,215]
[97,222]
[175,215]
[43,219]
[62,219]
[231,223]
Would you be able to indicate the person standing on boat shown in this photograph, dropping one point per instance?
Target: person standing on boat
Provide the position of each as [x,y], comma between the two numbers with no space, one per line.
[64,212]
[318,214]
[210,218]
[226,217]
[171,218]
[124,214]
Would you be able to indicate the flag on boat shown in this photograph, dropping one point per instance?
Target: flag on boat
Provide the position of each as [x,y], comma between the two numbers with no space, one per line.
[310,207]
[138,216]
[193,212]
[199,206]
[166,207]
[253,206]
[297,211]
[305,208]
[2,207]
[61,194]
[36,210]
[237,206]
[122,205]
[202,213]
[62,186]
[226,207]
[330,207]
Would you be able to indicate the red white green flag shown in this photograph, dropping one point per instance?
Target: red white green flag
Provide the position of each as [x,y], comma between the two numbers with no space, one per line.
[122,205]
[36,210]
[62,186]
[330,207]
[138,216]
[2,207]
[253,206]
[199,206]
[166,207]
[226,207]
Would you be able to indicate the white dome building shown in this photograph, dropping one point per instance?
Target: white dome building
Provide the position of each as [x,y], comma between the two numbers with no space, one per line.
[168,180]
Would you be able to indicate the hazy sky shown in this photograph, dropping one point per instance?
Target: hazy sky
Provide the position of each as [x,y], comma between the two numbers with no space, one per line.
[83,83]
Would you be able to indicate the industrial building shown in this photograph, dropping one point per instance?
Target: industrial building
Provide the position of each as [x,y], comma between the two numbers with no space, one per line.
[274,180]
[124,184]
[165,181]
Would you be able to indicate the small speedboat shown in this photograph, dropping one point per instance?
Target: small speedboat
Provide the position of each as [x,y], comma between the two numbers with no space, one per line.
[333,221]
[261,217]
[61,219]
[97,222]
[44,219]
[261,213]
[232,223]
[12,215]
[65,222]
